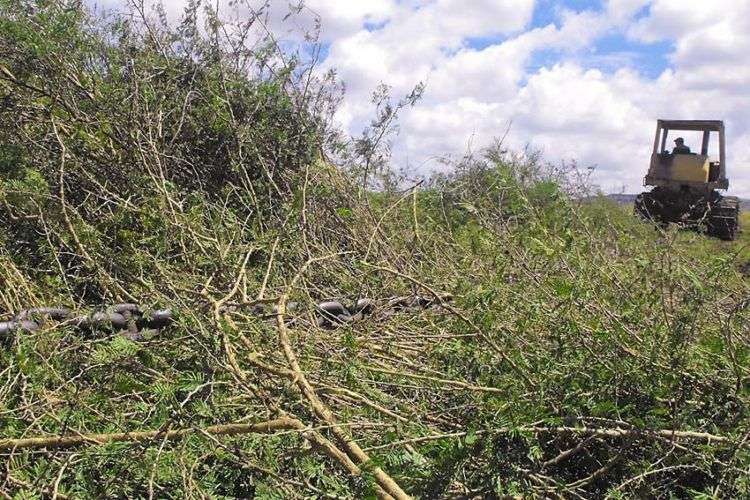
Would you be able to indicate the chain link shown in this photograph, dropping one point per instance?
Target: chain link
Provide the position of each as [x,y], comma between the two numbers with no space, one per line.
[130,319]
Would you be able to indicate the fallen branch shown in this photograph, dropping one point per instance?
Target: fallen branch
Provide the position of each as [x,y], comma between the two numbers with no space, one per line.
[317,440]
[386,486]
[266,427]
[440,299]
[700,437]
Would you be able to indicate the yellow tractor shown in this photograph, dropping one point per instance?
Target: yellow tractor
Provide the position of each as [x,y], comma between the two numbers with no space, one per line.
[687,183]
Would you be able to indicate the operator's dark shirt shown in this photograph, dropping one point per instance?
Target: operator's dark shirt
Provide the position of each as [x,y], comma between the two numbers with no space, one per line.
[681,150]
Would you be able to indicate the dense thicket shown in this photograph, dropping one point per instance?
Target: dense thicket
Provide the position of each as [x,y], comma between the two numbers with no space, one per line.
[584,353]
[113,130]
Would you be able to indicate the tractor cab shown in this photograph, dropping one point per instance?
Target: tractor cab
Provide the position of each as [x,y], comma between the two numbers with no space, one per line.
[694,170]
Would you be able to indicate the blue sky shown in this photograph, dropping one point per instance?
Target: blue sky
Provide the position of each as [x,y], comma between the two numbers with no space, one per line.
[608,52]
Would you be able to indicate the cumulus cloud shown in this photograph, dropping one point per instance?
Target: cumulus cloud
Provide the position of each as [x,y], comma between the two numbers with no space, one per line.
[569,110]
[340,19]
[487,63]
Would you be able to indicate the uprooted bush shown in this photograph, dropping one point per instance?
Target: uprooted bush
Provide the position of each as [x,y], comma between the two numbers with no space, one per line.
[584,354]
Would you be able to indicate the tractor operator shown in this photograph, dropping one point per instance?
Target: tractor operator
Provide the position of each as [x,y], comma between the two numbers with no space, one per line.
[680,148]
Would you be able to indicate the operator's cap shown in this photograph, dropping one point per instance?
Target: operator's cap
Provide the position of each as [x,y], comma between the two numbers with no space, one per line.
[679,139]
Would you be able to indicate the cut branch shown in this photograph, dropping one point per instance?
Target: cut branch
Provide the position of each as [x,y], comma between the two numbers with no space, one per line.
[266,427]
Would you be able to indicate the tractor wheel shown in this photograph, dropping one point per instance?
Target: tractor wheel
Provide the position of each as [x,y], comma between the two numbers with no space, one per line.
[723,218]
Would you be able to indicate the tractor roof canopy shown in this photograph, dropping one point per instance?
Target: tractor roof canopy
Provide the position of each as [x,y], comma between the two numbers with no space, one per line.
[704,125]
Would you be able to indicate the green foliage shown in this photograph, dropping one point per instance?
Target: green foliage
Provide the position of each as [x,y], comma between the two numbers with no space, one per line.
[117,349]
[116,110]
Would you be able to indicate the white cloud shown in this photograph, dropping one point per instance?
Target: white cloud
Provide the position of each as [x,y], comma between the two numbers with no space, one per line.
[597,117]
[580,104]
[418,39]
[343,18]
[623,10]
[673,19]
